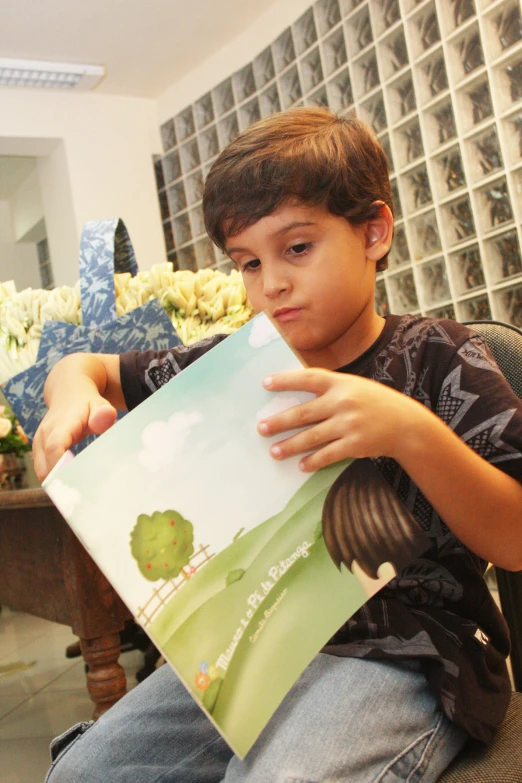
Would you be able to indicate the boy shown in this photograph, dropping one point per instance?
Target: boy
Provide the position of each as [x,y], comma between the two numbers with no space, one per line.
[301,202]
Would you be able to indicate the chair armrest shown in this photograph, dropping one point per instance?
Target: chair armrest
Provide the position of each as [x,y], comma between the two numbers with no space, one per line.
[510,593]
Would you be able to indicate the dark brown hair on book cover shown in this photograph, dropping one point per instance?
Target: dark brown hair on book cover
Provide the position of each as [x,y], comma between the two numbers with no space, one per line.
[364,520]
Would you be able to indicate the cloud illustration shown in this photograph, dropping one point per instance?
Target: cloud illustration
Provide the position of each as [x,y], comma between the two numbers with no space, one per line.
[65,497]
[164,441]
[277,405]
[263,332]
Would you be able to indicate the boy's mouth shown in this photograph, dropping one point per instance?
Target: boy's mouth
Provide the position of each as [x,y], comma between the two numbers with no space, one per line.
[284,314]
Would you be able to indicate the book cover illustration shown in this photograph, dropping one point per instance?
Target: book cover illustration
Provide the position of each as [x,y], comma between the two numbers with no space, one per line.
[239,567]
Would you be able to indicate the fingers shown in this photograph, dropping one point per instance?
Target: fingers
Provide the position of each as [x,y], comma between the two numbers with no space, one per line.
[101,417]
[314,381]
[292,418]
[50,444]
[59,432]
[310,379]
[309,440]
[39,461]
[316,412]
[328,455]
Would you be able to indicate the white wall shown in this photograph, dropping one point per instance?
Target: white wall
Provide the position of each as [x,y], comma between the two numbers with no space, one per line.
[58,202]
[18,262]
[101,166]
[26,206]
[231,57]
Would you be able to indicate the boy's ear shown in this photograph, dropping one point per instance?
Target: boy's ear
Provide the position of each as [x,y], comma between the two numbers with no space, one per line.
[379,233]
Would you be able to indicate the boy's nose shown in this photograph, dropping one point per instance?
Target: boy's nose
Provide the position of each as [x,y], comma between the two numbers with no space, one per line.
[274,285]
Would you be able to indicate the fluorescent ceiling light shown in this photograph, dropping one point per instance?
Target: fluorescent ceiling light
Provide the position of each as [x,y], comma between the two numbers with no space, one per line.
[64,76]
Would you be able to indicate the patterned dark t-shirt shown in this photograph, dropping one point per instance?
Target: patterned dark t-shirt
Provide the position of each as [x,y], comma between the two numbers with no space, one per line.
[438,610]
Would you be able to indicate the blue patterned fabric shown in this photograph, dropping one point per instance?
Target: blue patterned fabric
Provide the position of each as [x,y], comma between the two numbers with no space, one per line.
[105,249]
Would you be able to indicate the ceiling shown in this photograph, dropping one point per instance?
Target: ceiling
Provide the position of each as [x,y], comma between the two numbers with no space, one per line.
[145,45]
[13,171]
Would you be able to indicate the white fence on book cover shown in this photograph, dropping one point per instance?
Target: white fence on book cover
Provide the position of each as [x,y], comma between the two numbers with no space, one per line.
[162,594]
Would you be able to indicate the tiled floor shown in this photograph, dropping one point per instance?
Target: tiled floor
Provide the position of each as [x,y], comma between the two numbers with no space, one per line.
[46,698]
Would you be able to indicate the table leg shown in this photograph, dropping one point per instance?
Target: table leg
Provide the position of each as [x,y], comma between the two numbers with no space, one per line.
[106,680]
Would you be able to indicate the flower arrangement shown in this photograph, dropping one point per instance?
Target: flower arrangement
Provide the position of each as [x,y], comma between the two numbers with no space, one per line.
[13,440]
[199,304]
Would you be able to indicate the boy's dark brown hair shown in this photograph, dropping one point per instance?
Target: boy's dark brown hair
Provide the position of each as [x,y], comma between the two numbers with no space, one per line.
[308,154]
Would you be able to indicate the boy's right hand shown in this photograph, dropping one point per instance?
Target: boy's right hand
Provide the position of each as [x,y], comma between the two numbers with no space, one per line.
[63,427]
[82,392]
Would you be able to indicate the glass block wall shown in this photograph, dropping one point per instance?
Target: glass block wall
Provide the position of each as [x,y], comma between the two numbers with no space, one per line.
[441,83]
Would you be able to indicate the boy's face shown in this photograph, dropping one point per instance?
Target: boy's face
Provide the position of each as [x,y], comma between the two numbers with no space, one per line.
[314,273]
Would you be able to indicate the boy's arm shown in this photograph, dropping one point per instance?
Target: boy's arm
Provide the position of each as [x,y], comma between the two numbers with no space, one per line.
[356,417]
[82,393]
[481,504]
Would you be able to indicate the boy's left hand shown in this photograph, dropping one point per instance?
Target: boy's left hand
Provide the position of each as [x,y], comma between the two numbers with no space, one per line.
[350,417]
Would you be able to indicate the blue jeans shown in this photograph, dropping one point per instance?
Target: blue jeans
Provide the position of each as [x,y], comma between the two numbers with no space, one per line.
[346,719]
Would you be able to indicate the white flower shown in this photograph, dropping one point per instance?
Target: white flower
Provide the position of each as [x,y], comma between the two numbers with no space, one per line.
[5,427]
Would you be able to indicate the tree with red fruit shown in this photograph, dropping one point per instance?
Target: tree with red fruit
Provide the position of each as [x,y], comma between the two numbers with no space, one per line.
[162,544]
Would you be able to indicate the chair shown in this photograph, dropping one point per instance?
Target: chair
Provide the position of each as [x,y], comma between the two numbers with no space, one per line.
[500,762]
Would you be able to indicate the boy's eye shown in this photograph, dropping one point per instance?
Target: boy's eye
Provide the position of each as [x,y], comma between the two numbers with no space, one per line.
[251,265]
[300,248]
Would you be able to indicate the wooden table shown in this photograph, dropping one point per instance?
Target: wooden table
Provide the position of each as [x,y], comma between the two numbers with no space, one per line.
[45,571]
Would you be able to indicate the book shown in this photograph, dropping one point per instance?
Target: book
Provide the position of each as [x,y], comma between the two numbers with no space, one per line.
[240,568]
